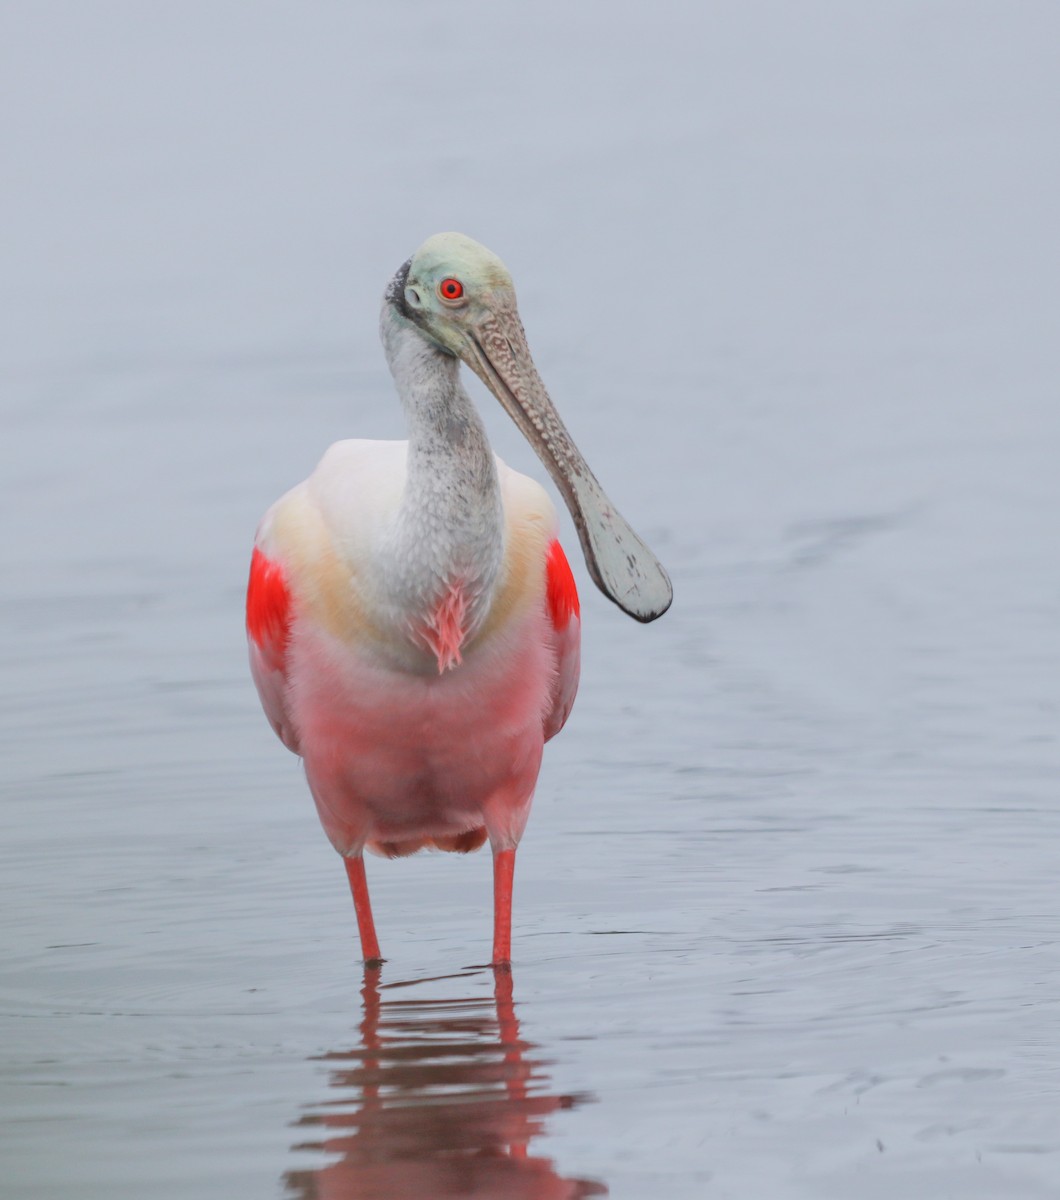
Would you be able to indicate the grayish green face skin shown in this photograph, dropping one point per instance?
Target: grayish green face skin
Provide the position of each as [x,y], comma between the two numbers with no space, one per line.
[481,326]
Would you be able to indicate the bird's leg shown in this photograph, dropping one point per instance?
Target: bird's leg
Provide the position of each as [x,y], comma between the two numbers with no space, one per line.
[363,908]
[503,873]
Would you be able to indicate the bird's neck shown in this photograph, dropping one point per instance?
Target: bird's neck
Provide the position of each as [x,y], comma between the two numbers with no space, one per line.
[446,544]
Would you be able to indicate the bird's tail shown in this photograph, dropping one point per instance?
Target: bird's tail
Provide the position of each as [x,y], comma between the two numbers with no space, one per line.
[456,843]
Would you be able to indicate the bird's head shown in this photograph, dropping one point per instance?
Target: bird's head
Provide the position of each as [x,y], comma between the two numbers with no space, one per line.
[450,287]
[459,296]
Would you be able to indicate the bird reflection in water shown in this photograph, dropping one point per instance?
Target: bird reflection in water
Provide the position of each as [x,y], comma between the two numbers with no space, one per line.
[441,1098]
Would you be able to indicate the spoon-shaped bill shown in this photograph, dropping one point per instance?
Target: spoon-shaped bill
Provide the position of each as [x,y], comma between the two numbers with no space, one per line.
[621,565]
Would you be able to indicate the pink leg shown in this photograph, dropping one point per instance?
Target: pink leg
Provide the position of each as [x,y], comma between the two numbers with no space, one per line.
[503,873]
[363,908]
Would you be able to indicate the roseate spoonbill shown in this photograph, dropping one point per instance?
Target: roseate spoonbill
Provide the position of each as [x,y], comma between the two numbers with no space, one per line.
[412,620]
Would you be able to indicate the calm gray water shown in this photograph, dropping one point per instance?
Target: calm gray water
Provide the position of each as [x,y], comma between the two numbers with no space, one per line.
[786,919]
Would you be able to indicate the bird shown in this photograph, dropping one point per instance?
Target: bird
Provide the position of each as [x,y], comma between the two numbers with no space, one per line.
[413,623]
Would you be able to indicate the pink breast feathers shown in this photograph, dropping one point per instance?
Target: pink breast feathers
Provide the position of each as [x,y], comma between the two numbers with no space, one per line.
[268,609]
[445,629]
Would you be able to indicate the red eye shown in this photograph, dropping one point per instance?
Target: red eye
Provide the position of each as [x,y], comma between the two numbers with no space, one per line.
[451,289]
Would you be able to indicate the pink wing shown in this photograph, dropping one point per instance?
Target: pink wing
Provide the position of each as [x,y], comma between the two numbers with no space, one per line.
[268,632]
[565,613]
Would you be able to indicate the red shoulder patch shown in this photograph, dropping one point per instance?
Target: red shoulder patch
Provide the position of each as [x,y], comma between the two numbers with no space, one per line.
[562,592]
[268,606]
